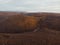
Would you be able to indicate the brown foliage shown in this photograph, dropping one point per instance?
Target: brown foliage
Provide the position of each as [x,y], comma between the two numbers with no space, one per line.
[19,23]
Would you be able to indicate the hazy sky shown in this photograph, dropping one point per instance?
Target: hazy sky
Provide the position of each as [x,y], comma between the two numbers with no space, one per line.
[30,5]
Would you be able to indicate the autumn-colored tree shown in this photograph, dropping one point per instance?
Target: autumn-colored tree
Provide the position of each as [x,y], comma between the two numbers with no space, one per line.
[20,23]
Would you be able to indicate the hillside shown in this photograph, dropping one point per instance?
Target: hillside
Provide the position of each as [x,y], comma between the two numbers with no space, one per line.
[29,28]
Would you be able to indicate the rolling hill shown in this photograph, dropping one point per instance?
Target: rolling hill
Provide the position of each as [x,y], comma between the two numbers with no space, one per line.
[29,28]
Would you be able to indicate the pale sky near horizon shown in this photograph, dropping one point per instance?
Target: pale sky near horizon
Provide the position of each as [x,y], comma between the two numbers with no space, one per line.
[30,5]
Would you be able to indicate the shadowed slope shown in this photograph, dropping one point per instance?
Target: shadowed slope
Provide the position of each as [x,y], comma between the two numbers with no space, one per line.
[51,22]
